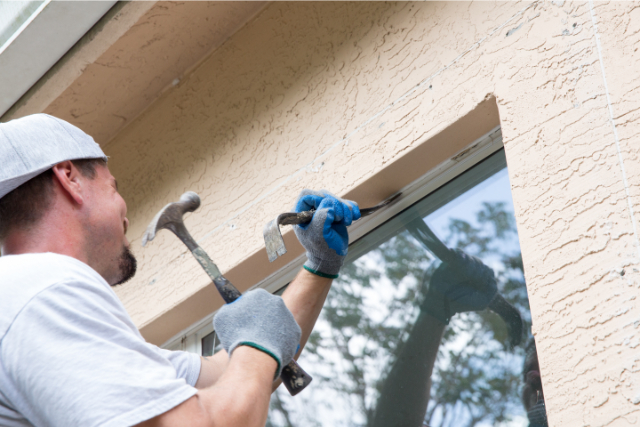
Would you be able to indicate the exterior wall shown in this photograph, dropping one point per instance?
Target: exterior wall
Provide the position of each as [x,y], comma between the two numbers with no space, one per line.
[362,98]
[574,208]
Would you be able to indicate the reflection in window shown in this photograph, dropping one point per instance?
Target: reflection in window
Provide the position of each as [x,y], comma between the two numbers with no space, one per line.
[374,346]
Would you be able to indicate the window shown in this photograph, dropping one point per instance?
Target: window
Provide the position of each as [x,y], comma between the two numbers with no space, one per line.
[370,350]
[373,346]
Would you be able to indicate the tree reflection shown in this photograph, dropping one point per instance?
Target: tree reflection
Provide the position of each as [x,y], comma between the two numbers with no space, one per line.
[370,313]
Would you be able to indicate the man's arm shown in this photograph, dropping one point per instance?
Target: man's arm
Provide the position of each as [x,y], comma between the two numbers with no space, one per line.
[326,242]
[304,297]
[468,285]
[239,398]
[405,394]
[261,335]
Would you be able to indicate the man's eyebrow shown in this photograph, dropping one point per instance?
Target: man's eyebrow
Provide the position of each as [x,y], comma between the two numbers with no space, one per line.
[115,181]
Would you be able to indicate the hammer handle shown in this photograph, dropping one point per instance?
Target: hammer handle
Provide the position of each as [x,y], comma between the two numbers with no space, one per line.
[228,292]
[294,378]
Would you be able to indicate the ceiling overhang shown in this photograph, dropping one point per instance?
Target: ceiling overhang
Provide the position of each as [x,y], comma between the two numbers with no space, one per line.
[41,41]
[128,59]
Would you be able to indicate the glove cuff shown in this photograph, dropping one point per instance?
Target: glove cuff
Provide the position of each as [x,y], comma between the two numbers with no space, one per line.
[324,267]
[262,349]
[319,273]
[438,308]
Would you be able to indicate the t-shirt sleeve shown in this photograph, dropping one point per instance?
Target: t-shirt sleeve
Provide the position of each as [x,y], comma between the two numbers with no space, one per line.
[73,357]
[187,365]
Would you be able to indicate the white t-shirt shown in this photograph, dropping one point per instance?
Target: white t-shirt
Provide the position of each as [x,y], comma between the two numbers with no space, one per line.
[71,356]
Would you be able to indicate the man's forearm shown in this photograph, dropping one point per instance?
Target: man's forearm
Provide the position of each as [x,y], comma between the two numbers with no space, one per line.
[405,394]
[240,397]
[243,391]
[304,297]
[211,369]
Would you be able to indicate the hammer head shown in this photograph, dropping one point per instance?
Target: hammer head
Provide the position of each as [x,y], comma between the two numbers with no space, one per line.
[171,215]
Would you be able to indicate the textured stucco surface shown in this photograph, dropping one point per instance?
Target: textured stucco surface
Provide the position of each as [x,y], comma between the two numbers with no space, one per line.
[71,66]
[575,226]
[330,95]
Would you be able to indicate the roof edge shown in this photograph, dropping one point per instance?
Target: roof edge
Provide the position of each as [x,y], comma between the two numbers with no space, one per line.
[118,19]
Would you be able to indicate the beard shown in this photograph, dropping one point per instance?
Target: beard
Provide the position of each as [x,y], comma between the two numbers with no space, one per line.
[127,266]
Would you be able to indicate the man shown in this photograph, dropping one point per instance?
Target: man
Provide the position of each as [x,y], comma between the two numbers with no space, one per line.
[69,353]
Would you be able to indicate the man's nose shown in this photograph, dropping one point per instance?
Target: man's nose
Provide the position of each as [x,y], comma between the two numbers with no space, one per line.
[126,224]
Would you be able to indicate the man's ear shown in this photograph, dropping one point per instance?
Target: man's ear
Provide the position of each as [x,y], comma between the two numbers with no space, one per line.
[70,179]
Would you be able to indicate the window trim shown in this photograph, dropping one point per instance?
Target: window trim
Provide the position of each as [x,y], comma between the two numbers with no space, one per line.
[190,339]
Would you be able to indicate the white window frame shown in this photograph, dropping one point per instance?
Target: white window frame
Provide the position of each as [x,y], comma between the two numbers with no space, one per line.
[190,339]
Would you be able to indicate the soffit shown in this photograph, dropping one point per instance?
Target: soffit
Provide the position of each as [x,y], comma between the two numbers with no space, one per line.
[132,56]
[35,35]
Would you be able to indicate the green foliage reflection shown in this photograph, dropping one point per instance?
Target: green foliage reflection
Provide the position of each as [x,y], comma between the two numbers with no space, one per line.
[370,312]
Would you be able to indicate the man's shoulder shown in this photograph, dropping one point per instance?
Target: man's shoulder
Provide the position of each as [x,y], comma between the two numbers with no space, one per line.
[23,277]
[23,273]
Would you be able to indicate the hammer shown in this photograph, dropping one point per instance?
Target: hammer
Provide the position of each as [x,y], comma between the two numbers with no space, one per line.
[295,379]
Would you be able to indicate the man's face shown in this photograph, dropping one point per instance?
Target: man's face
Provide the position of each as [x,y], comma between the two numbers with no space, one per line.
[106,224]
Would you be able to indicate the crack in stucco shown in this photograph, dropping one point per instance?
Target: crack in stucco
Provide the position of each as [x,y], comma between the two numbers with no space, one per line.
[613,125]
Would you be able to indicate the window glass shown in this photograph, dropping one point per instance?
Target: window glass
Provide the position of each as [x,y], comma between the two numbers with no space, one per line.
[378,336]
[209,342]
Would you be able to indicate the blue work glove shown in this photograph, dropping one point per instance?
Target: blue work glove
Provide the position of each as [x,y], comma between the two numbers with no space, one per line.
[325,238]
[464,285]
[262,321]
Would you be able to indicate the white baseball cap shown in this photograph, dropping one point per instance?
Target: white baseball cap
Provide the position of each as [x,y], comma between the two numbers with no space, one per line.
[32,144]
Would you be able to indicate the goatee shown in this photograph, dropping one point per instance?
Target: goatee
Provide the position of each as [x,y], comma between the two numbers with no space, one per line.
[127,265]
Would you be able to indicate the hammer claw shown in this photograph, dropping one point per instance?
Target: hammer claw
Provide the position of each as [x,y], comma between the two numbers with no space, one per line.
[170,214]
[273,240]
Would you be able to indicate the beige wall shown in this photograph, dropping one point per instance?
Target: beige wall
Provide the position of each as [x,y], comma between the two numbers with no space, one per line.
[362,98]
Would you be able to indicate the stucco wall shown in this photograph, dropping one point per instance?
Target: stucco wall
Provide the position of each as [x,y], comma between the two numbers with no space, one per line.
[332,95]
[579,242]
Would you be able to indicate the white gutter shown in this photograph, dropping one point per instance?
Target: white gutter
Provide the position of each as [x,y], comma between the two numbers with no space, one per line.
[41,41]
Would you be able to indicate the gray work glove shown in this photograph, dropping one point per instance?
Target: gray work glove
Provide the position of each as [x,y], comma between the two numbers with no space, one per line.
[325,238]
[464,285]
[262,321]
